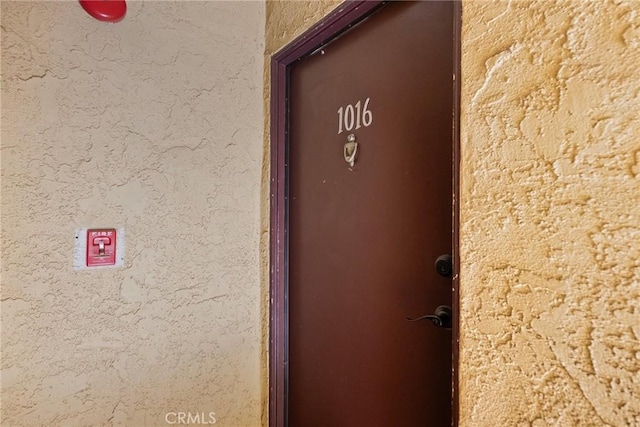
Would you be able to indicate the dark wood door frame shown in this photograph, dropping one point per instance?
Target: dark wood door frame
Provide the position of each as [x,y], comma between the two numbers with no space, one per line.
[340,20]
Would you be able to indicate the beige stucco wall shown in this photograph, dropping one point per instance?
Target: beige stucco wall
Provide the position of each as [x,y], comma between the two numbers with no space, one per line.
[153,124]
[550,213]
[550,208]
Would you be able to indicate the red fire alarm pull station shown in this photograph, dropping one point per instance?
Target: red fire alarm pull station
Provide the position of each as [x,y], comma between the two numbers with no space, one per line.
[101,247]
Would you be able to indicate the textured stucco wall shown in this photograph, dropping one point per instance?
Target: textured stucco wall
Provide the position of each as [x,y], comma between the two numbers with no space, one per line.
[153,124]
[550,208]
[550,216]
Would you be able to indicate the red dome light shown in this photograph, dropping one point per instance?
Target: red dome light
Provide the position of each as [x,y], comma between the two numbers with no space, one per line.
[105,10]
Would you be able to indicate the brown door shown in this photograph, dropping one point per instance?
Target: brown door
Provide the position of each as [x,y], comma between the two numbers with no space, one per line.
[363,239]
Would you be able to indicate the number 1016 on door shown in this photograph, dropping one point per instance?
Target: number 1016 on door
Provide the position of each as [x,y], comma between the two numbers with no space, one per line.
[358,116]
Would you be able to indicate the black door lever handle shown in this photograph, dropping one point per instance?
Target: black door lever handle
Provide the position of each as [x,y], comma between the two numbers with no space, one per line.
[441,317]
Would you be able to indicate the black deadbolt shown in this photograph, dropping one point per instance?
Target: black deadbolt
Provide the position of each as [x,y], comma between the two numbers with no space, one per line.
[444,265]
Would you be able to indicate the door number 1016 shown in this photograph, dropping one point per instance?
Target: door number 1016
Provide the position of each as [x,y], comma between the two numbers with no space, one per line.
[360,115]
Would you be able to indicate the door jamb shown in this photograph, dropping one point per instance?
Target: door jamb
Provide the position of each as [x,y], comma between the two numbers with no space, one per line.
[335,23]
